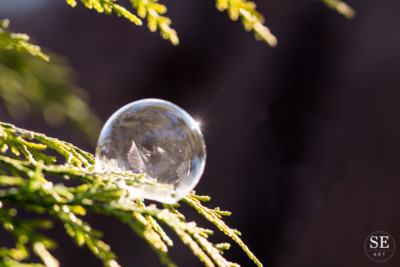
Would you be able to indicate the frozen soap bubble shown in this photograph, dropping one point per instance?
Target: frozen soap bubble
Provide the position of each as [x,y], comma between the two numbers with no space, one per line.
[159,139]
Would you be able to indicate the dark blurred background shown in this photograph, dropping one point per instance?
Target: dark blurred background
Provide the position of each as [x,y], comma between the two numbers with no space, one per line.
[303,140]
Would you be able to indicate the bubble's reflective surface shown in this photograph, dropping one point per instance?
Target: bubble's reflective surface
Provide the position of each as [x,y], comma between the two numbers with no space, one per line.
[159,139]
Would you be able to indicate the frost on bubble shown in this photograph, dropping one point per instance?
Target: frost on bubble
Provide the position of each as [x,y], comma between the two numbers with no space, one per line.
[158,139]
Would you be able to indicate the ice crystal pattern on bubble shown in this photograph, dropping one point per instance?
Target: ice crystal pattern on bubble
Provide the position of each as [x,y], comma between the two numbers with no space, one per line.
[158,139]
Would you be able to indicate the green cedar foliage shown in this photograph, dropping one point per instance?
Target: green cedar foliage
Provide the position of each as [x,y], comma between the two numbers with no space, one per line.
[153,12]
[29,164]
[340,7]
[18,41]
[31,85]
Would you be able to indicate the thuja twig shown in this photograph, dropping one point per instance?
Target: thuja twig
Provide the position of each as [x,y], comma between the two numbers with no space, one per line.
[27,172]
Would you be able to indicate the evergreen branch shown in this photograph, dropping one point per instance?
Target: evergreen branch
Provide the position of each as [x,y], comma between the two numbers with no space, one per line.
[156,227]
[9,262]
[24,233]
[213,252]
[251,19]
[11,137]
[108,6]
[82,233]
[154,238]
[341,7]
[29,86]
[18,42]
[153,11]
[26,165]
[149,9]
[214,216]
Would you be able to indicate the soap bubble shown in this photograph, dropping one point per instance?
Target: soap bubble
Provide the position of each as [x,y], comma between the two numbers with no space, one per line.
[159,139]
